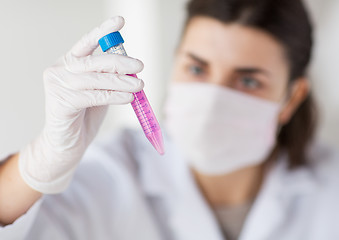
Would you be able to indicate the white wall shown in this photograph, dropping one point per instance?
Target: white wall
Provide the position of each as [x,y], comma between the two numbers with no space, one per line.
[324,67]
[49,28]
[33,35]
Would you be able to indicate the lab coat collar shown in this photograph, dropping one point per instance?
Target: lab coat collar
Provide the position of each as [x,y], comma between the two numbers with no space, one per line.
[277,195]
[170,179]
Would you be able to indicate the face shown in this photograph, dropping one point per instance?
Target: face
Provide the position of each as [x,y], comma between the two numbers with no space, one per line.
[242,58]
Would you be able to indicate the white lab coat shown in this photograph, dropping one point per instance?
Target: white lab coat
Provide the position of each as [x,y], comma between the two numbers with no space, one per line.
[124,190]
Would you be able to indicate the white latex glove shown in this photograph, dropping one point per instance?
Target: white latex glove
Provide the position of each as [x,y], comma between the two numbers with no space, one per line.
[77,91]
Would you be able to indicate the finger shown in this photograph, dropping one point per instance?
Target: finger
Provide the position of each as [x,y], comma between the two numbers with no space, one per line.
[104,81]
[93,98]
[111,63]
[89,42]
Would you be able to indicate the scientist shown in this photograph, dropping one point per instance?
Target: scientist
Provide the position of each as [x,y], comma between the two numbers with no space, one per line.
[240,159]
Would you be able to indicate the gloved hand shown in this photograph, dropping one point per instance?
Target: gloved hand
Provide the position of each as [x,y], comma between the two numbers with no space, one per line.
[77,90]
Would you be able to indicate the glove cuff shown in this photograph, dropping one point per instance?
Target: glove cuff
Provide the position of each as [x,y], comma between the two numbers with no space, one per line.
[30,163]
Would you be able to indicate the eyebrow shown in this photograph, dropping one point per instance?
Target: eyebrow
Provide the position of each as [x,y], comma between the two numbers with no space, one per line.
[251,70]
[198,59]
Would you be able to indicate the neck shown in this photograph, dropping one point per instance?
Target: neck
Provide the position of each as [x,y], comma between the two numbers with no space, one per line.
[236,188]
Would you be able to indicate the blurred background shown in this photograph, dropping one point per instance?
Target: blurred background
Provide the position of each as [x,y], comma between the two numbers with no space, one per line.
[35,33]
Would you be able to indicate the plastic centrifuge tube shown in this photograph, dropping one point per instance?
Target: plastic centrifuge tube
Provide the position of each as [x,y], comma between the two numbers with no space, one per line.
[113,43]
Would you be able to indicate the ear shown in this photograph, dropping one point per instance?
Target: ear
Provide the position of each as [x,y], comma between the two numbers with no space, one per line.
[298,92]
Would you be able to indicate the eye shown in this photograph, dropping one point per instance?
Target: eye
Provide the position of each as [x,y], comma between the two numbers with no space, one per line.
[249,83]
[195,70]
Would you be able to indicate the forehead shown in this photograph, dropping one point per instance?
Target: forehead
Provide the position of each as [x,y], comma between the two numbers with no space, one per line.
[231,43]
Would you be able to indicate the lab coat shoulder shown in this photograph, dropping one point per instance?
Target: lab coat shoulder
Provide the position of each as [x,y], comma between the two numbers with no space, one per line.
[128,151]
[298,203]
[313,194]
[103,201]
[323,163]
[117,148]
[324,208]
[133,154]
[324,168]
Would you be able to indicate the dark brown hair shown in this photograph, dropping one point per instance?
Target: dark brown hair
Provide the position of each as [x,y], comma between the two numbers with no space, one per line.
[288,22]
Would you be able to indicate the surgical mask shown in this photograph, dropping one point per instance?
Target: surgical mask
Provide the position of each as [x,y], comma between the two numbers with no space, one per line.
[220,130]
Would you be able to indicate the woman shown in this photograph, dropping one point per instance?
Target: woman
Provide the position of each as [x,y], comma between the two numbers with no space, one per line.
[240,162]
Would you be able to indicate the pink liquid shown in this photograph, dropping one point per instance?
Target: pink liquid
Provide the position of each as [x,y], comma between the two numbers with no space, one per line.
[147,120]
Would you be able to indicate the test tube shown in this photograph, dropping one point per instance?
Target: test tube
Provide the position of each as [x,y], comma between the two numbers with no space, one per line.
[113,44]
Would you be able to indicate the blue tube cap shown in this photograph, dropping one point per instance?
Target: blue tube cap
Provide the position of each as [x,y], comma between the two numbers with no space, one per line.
[110,40]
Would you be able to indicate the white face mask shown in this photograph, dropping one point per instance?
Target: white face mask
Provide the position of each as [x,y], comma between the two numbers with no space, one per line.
[220,130]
